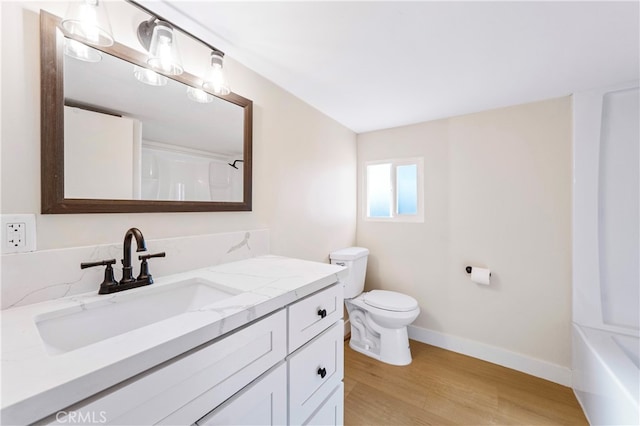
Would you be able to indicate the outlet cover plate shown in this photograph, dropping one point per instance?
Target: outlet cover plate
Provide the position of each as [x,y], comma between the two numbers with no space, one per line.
[26,223]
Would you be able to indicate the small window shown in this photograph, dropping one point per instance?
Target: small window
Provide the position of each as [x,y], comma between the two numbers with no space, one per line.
[393,190]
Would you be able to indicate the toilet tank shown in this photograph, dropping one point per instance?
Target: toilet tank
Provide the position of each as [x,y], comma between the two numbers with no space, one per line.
[355,259]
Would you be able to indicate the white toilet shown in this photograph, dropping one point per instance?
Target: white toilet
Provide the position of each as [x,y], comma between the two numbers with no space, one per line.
[378,318]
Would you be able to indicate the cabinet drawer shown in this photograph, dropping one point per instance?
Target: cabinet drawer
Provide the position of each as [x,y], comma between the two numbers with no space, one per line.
[323,356]
[331,412]
[196,381]
[313,314]
[264,402]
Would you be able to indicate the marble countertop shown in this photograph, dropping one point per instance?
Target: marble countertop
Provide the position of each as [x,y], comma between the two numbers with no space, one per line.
[37,382]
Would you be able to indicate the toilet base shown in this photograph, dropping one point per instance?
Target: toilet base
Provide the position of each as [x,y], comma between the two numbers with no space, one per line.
[394,347]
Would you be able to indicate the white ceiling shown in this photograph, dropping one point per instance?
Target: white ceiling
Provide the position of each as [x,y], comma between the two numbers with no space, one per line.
[374,65]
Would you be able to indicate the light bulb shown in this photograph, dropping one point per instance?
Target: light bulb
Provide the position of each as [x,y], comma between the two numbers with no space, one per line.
[163,51]
[87,21]
[216,80]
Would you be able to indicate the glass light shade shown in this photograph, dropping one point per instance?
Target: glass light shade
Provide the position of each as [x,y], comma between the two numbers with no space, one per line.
[148,76]
[163,50]
[75,49]
[87,20]
[199,95]
[215,80]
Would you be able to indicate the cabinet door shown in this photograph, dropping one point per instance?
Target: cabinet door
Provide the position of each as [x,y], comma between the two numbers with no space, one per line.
[255,349]
[331,412]
[185,388]
[315,370]
[313,314]
[262,403]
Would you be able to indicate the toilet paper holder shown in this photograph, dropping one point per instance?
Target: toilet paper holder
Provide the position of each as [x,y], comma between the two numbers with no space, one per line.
[469,268]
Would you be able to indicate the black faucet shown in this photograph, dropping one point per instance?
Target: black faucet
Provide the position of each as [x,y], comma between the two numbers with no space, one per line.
[109,285]
[127,270]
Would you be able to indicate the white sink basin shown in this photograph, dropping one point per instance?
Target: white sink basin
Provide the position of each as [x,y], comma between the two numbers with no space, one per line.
[111,315]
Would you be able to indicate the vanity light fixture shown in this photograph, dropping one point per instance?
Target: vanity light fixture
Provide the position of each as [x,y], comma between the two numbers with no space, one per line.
[87,21]
[148,76]
[199,95]
[159,39]
[215,80]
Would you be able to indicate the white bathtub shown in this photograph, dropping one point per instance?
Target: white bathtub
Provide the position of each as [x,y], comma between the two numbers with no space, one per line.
[606,376]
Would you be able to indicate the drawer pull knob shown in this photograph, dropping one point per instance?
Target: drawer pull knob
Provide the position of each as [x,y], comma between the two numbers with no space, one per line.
[322,372]
[322,313]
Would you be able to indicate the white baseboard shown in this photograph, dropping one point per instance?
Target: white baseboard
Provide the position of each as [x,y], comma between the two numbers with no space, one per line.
[516,361]
[347,328]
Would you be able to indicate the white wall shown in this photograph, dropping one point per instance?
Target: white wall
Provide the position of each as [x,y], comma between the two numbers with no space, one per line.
[304,163]
[497,195]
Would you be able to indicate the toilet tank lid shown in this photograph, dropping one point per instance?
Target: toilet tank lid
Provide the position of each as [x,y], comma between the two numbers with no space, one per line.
[390,300]
[349,253]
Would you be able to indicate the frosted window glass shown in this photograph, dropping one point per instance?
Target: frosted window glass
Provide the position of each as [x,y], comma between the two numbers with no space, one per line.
[407,188]
[379,190]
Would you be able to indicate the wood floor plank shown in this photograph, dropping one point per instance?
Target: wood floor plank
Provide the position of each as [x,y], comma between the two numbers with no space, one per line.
[441,387]
[390,380]
[367,406]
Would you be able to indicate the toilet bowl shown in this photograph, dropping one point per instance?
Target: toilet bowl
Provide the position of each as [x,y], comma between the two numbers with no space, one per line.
[384,336]
[378,318]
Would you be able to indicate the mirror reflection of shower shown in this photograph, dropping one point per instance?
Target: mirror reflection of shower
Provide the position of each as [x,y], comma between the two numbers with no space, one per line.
[234,163]
[177,174]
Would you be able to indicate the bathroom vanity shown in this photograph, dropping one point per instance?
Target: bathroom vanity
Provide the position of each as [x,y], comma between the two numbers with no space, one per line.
[258,341]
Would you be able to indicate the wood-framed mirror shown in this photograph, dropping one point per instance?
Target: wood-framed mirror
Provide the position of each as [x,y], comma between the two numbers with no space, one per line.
[167,161]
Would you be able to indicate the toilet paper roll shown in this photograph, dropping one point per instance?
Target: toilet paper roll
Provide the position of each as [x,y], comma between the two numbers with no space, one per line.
[481,275]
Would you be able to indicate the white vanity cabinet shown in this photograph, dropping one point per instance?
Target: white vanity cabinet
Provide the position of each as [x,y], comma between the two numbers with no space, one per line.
[285,368]
[182,390]
[316,353]
[331,412]
[312,315]
[311,374]
[263,402]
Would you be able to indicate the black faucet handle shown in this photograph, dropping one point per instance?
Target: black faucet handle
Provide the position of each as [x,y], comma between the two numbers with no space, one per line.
[85,265]
[150,256]
[145,276]
[109,284]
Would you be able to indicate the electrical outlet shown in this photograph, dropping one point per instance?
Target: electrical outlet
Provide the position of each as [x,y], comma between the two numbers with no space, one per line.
[18,233]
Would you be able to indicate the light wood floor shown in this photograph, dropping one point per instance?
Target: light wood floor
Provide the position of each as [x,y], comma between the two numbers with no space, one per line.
[441,388]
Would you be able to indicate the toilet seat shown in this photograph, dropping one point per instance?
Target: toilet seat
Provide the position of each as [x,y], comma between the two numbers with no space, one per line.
[384,317]
[390,300]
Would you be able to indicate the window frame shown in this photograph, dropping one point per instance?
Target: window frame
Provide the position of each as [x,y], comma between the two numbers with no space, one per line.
[395,217]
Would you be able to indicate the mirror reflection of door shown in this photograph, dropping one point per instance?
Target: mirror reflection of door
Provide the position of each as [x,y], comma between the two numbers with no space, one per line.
[99,155]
